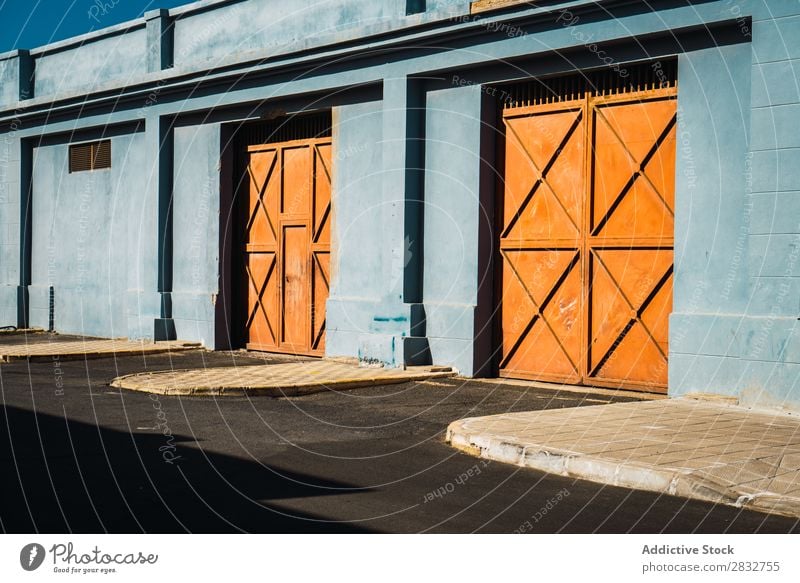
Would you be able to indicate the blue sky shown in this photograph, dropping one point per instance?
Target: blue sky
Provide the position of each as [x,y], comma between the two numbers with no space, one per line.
[25,24]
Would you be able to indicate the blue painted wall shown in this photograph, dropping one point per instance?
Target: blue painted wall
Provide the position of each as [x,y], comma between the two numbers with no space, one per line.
[196,232]
[143,302]
[453,212]
[771,335]
[81,223]
[9,80]
[118,58]
[279,27]
[9,226]
[737,279]
[711,281]
[735,331]
[360,279]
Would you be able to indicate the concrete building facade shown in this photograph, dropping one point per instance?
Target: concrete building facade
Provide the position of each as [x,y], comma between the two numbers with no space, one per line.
[380,132]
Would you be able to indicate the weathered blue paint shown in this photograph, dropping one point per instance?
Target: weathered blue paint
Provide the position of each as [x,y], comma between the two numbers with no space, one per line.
[10,237]
[360,271]
[735,327]
[160,40]
[80,225]
[711,285]
[453,212]
[282,28]
[16,76]
[411,275]
[195,284]
[115,59]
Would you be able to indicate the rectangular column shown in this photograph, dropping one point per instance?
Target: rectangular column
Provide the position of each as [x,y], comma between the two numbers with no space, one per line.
[397,335]
[159,40]
[150,281]
[16,84]
[16,76]
[459,195]
[25,152]
[12,288]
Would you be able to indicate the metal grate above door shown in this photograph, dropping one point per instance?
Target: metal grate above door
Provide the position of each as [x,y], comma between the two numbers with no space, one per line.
[638,78]
[287,129]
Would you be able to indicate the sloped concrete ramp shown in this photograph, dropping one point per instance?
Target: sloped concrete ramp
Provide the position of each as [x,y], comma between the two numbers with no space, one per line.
[275,380]
[44,348]
[684,447]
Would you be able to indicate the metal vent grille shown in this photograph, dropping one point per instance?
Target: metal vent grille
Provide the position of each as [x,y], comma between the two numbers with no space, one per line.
[629,79]
[91,156]
[287,129]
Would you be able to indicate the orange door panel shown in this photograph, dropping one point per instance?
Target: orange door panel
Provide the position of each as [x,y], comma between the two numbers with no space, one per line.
[295,288]
[630,239]
[586,239]
[288,246]
[320,244]
[540,242]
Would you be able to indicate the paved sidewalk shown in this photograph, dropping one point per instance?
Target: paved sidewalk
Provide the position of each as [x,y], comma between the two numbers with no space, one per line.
[14,331]
[274,380]
[684,447]
[79,349]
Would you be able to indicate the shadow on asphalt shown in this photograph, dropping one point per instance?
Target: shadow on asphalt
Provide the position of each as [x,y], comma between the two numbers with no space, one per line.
[91,460]
[61,475]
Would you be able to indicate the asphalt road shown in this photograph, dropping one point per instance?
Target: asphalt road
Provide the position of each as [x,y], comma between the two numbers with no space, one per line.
[78,456]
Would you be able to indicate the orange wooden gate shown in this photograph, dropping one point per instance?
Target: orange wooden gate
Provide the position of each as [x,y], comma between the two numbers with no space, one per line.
[586,236]
[287,245]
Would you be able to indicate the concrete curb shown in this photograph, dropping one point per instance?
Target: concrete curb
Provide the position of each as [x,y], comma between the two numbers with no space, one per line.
[638,476]
[138,383]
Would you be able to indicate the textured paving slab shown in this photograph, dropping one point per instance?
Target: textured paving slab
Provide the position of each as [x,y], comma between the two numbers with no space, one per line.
[276,380]
[684,447]
[79,349]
